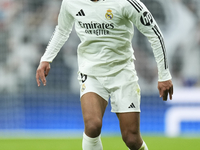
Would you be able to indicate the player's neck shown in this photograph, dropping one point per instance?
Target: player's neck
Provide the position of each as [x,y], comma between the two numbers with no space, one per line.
[94,0]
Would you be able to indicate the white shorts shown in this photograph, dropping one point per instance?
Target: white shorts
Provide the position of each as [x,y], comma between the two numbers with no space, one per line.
[121,88]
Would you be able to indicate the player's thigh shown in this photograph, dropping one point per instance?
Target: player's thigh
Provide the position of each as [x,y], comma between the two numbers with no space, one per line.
[93,106]
[130,129]
[94,97]
[129,123]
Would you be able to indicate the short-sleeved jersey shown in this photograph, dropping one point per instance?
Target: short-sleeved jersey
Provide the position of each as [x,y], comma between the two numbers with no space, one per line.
[106,28]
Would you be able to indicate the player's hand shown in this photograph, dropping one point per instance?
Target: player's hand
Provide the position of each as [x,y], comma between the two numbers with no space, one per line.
[165,88]
[41,73]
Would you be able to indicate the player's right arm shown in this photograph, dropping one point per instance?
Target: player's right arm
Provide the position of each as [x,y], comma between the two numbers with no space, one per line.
[42,71]
[60,36]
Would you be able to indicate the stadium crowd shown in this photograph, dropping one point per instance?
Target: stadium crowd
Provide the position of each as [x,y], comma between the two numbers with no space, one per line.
[26,27]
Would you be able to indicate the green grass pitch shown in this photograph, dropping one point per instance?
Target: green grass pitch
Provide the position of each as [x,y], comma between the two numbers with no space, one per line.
[109,143]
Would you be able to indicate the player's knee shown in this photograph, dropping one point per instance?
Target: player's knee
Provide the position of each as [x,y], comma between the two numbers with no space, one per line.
[132,140]
[93,127]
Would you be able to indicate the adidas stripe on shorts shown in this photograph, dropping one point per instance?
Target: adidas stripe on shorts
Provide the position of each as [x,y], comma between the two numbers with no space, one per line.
[121,88]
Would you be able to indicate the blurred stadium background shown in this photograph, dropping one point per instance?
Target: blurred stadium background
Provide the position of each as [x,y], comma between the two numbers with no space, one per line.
[54,111]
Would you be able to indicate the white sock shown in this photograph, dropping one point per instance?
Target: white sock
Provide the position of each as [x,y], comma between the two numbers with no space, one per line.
[91,143]
[144,146]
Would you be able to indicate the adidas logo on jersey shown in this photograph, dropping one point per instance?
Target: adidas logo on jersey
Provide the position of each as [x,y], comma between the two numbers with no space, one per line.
[132,106]
[81,13]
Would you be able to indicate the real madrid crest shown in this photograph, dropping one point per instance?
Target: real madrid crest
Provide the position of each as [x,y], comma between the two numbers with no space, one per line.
[109,14]
[83,87]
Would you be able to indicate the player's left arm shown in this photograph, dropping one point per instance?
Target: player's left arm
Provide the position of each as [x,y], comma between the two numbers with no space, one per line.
[165,88]
[141,17]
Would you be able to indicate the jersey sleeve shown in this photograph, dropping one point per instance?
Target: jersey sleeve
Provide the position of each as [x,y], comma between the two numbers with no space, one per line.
[140,16]
[60,35]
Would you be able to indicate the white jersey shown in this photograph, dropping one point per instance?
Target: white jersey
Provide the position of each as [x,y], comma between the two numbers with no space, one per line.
[105,29]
